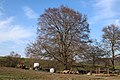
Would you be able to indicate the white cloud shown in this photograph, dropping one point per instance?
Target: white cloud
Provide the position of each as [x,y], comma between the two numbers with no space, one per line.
[6,22]
[12,32]
[105,5]
[1,8]
[30,13]
[105,11]
[1,13]
[117,22]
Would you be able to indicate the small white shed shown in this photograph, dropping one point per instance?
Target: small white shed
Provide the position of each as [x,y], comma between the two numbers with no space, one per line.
[36,66]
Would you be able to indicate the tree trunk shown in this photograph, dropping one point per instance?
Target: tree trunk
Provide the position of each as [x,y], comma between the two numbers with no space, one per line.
[113,58]
[93,63]
[66,67]
[66,63]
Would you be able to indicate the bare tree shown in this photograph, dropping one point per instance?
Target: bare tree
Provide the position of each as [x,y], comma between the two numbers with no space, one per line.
[93,52]
[111,38]
[61,34]
[12,59]
[14,54]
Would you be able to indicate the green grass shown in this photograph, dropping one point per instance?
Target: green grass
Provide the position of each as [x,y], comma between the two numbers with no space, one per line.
[20,74]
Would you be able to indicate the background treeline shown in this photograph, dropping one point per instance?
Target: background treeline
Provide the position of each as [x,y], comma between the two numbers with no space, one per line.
[9,61]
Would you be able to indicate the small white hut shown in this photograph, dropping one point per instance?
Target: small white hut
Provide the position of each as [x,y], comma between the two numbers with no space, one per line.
[36,66]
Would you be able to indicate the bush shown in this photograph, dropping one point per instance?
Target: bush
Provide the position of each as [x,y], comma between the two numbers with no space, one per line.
[9,61]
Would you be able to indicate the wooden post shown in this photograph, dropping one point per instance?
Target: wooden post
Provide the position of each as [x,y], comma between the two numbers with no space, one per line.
[107,70]
[97,70]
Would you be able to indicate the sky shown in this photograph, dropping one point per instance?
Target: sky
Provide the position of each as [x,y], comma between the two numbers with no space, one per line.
[19,18]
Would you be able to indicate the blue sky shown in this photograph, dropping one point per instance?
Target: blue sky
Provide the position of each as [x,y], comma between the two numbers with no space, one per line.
[18,19]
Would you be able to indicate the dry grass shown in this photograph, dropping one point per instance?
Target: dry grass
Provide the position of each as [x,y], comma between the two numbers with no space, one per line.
[19,74]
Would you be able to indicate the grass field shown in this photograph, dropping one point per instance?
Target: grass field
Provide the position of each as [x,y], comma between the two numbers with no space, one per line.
[20,74]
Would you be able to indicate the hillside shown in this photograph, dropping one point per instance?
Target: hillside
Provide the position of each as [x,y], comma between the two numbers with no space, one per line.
[20,74]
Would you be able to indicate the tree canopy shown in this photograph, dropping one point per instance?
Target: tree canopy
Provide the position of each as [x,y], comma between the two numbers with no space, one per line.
[111,38]
[62,34]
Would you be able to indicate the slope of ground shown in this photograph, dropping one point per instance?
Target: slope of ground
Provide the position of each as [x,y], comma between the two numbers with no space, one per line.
[20,74]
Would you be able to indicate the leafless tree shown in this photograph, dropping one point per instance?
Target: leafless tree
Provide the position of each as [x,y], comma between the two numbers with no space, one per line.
[93,52]
[14,54]
[61,34]
[111,38]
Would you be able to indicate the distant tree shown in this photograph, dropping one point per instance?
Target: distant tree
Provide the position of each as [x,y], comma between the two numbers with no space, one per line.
[93,53]
[34,50]
[12,60]
[14,54]
[111,39]
[61,34]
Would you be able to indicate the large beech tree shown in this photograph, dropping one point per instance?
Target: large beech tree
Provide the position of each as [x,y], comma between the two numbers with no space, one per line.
[62,33]
[111,38]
